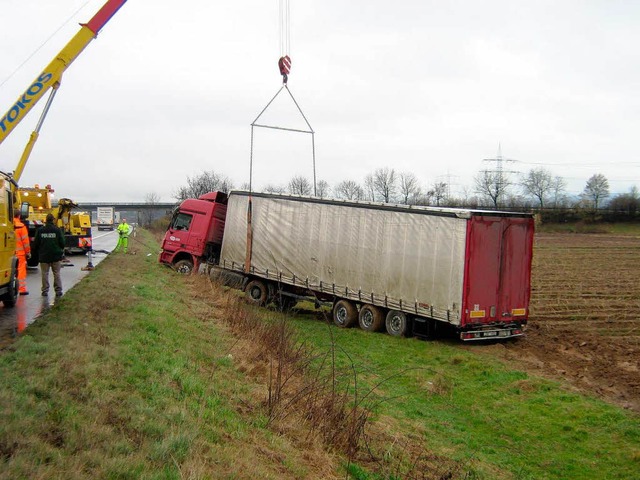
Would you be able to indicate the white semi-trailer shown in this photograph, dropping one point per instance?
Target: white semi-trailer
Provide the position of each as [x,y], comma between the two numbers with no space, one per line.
[405,268]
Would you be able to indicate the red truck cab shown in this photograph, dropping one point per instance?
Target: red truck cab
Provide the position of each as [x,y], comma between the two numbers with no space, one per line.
[195,232]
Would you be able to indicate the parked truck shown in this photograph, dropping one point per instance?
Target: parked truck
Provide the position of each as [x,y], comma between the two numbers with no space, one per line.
[105,218]
[411,270]
[75,224]
[8,259]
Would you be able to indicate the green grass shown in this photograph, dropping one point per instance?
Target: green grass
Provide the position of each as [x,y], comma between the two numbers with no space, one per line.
[484,412]
[627,228]
[128,377]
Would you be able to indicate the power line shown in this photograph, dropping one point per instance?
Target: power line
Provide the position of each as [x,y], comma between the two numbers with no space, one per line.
[499,172]
[571,164]
[448,176]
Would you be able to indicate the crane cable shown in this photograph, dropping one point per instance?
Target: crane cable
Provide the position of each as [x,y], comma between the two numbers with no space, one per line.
[284,63]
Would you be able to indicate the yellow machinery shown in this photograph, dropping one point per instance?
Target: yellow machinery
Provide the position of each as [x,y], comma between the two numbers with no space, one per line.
[76,225]
[8,259]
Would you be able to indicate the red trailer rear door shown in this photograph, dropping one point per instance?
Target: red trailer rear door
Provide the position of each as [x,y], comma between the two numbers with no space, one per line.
[498,269]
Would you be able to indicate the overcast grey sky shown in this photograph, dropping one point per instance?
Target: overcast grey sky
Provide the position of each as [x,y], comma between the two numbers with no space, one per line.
[169,89]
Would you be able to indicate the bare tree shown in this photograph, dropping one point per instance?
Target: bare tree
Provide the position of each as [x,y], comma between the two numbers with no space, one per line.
[271,188]
[467,199]
[206,182]
[299,185]
[384,184]
[409,188]
[438,192]
[151,198]
[422,199]
[538,183]
[369,190]
[558,189]
[626,203]
[349,190]
[596,190]
[322,189]
[492,185]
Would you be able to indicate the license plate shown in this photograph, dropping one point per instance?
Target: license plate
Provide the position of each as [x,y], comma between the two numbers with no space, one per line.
[490,334]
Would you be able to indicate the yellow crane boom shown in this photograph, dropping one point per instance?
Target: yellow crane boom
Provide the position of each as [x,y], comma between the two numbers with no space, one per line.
[50,79]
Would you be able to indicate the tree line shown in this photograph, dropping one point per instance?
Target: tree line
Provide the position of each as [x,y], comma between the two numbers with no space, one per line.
[538,189]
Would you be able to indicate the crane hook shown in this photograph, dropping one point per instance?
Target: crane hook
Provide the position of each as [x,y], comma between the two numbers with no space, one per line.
[284,64]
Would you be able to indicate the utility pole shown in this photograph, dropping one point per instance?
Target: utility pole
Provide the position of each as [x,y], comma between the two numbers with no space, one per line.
[501,182]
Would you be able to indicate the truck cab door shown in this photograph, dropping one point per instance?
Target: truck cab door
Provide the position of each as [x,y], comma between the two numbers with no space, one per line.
[178,236]
[7,233]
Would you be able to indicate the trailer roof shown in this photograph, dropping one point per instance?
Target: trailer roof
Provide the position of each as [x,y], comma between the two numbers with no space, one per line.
[418,209]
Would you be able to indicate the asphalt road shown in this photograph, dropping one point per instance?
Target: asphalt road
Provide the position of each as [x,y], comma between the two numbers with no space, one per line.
[14,321]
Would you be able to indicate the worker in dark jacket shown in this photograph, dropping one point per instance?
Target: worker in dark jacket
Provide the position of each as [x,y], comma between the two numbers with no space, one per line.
[49,243]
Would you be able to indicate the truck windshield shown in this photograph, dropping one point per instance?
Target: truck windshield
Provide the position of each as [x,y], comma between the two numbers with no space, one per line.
[182,221]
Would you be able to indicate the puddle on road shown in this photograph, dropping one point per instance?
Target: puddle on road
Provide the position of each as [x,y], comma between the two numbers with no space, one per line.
[14,321]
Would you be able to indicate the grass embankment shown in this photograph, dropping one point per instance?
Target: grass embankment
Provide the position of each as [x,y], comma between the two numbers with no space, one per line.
[139,373]
[502,422]
[128,377]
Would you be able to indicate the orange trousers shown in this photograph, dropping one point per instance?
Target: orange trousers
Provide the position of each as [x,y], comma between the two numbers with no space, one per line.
[22,273]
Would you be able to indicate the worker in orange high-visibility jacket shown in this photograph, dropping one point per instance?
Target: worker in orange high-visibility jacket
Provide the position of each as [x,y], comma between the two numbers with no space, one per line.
[23,252]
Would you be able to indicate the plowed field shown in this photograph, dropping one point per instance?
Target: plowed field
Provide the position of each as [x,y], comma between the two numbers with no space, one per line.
[585,315]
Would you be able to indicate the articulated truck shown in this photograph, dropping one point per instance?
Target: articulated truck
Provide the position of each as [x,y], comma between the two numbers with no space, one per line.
[410,270]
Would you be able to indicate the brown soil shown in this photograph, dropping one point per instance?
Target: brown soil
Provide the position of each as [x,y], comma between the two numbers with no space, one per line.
[585,316]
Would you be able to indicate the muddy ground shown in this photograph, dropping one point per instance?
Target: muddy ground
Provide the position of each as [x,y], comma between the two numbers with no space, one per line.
[584,326]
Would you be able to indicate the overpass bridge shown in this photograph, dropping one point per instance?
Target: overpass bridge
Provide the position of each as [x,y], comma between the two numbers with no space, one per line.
[141,213]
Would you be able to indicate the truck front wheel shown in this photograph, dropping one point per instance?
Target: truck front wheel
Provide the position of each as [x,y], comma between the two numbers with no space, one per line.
[396,323]
[9,299]
[371,318]
[184,267]
[257,292]
[345,314]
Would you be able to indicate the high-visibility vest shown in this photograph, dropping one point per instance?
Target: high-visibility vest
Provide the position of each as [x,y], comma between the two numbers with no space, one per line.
[23,247]
[123,229]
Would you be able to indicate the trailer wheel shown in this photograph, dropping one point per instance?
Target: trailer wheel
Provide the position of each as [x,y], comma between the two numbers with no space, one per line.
[257,292]
[184,267]
[396,323]
[345,314]
[371,318]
